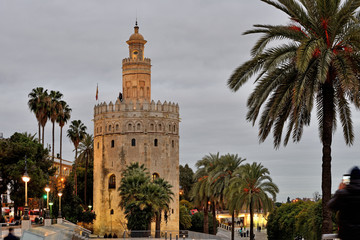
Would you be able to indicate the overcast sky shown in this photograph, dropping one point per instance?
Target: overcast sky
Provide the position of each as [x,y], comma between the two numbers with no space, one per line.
[194,45]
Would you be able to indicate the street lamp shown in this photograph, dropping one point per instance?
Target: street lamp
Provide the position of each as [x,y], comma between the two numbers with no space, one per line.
[59,194]
[47,190]
[26,179]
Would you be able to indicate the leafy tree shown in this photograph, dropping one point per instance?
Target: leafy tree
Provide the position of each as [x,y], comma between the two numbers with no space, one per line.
[250,190]
[317,65]
[186,180]
[76,133]
[298,219]
[184,217]
[13,152]
[197,222]
[186,204]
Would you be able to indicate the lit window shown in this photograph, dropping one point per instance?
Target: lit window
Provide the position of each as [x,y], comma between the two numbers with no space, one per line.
[155,176]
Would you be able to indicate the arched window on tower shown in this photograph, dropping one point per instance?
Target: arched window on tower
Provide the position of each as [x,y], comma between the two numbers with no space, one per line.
[109,128]
[112,143]
[112,182]
[155,142]
[133,142]
[152,127]
[159,128]
[173,143]
[129,126]
[155,176]
[138,126]
[117,127]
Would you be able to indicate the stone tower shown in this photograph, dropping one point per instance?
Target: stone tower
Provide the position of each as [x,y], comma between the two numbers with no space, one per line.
[135,129]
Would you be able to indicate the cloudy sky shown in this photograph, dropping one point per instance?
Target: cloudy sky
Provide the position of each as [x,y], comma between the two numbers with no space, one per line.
[194,45]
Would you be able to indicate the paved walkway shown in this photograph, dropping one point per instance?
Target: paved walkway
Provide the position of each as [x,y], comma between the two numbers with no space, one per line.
[224,234]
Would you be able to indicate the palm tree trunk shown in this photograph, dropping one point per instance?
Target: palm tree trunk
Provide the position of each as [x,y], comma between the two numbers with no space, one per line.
[42,140]
[252,237]
[233,225]
[157,224]
[214,218]
[86,170]
[61,170]
[53,140]
[206,217]
[39,137]
[328,116]
[75,175]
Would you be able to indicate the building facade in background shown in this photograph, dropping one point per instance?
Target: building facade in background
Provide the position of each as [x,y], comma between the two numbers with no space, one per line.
[134,129]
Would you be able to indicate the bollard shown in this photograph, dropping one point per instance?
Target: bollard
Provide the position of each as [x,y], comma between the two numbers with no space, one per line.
[177,237]
[170,236]
[165,235]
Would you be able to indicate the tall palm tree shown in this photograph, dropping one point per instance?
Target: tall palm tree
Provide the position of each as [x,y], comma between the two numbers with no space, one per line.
[54,110]
[76,133]
[164,198]
[62,118]
[318,63]
[220,178]
[201,190]
[86,148]
[37,99]
[249,189]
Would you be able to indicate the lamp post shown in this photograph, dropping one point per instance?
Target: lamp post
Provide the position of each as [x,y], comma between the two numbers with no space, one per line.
[26,179]
[51,204]
[47,190]
[59,194]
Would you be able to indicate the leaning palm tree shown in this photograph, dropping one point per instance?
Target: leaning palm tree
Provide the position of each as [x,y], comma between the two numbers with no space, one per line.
[201,190]
[62,119]
[76,133]
[249,190]
[318,64]
[163,201]
[220,178]
[54,110]
[37,98]
[86,148]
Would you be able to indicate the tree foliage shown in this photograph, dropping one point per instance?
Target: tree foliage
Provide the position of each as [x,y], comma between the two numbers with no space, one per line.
[299,219]
[186,180]
[13,152]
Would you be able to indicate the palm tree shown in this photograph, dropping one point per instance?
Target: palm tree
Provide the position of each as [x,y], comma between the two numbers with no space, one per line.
[86,148]
[55,107]
[319,62]
[163,201]
[201,190]
[36,102]
[76,133]
[249,189]
[220,179]
[62,118]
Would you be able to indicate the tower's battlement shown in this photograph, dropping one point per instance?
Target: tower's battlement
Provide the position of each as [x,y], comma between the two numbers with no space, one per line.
[126,106]
[136,60]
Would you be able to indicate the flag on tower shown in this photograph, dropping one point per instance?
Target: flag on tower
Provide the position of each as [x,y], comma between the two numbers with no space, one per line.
[97,92]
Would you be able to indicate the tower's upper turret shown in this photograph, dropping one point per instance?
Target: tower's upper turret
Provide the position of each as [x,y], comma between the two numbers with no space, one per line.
[136,44]
[136,70]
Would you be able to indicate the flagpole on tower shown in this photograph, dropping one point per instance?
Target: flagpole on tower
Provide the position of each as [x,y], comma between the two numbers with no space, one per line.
[97,92]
